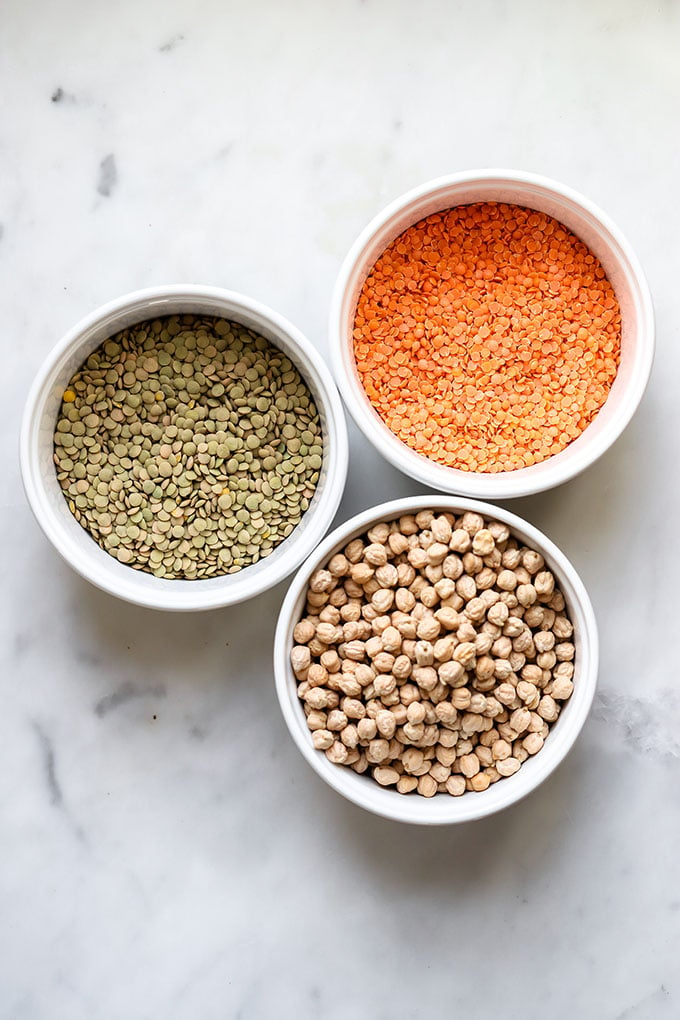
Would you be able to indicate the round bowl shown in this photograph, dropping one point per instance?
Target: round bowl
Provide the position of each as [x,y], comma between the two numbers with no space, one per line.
[442,809]
[625,274]
[73,542]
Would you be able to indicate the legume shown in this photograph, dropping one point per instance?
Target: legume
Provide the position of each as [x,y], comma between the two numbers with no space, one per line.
[434,654]
[487,337]
[188,446]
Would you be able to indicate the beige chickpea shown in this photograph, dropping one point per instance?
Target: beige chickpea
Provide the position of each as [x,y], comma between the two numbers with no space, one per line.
[375,554]
[349,685]
[354,650]
[461,698]
[439,772]
[452,568]
[385,775]
[383,662]
[544,641]
[507,580]
[391,639]
[452,673]
[382,600]
[526,595]
[511,557]
[387,576]
[485,579]
[483,542]
[443,648]
[460,540]
[498,614]
[397,543]
[424,653]
[447,618]
[337,753]
[330,660]
[379,532]
[533,743]
[562,688]
[466,587]
[455,785]
[385,684]
[300,659]
[354,551]
[544,583]
[501,749]
[417,557]
[532,561]
[548,708]
[437,553]
[316,720]
[366,729]
[406,784]
[508,766]
[533,616]
[386,724]
[404,600]
[506,694]
[502,647]
[480,782]
[472,564]
[329,633]
[378,750]
[449,738]
[520,719]
[322,739]
[429,599]
[562,628]
[546,660]
[475,610]
[485,756]
[446,714]
[509,599]
[445,587]
[427,786]
[469,765]
[428,629]
[485,667]
[441,530]
[465,654]
[304,631]
[353,590]
[337,719]
[565,651]
[425,677]
[350,736]
[321,581]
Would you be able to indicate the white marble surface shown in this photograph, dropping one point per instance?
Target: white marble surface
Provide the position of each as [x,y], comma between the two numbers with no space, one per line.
[164,850]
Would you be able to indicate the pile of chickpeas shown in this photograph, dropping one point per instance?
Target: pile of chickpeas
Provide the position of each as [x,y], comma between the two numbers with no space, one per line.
[434,654]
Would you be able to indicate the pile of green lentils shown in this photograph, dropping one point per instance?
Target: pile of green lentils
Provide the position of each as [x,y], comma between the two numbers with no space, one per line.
[188,447]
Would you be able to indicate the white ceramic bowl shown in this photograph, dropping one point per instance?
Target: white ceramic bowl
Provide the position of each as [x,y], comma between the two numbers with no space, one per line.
[72,541]
[625,274]
[442,809]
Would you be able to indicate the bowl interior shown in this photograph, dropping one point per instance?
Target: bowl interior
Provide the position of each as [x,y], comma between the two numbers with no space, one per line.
[73,541]
[442,808]
[622,269]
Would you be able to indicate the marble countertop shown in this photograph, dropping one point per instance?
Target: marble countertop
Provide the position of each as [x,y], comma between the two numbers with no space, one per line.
[165,852]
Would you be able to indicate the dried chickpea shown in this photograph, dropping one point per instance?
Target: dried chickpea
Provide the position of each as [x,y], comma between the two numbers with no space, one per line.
[434,652]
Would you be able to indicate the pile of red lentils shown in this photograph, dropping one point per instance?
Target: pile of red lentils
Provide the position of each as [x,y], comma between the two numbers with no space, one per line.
[487,337]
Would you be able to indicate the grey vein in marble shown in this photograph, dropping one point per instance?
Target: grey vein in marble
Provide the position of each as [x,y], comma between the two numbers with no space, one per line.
[125,693]
[108,175]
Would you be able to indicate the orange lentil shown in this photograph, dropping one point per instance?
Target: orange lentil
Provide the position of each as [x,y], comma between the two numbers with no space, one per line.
[487,336]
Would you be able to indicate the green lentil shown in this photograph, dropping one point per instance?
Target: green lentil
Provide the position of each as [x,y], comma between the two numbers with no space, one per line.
[191,449]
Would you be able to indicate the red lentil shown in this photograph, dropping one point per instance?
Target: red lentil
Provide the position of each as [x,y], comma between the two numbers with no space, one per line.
[487,337]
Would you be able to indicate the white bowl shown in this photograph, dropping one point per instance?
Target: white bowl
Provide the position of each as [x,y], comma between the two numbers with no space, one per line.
[442,809]
[625,274]
[72,541]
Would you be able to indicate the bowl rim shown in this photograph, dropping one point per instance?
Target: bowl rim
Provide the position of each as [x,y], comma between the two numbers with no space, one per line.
[418,810]
[502,484]
[218,596]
